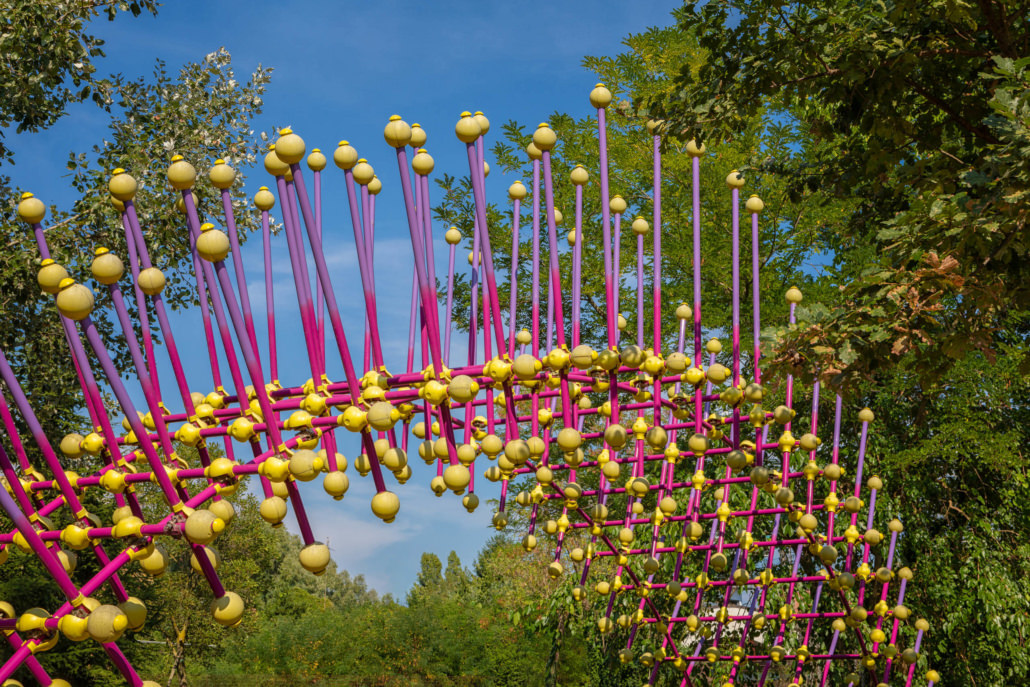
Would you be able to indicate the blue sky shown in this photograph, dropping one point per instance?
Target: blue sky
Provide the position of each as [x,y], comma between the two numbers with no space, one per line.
[341,68]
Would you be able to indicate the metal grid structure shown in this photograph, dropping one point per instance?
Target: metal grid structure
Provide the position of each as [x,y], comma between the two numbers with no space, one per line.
[671,490]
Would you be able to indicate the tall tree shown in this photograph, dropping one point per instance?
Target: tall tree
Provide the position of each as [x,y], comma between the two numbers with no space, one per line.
[917,111]
[202,112]
[50,59]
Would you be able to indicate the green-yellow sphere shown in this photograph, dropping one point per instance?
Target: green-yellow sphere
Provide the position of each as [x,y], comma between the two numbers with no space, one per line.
[290,147]
[385,505]
[181,174]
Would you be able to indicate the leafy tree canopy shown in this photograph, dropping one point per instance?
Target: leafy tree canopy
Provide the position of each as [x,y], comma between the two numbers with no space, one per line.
[916,111]
[49,59]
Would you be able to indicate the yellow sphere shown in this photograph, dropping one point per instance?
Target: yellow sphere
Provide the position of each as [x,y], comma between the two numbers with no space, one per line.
[135,611]
[180,203]
[385,505]
[274,164]
[517,191]
[50,276]
[363,172]
[694,149]
[68,559]
[422,163]
[453,236]
[223,509]
[212,244]
[617,205]
[71,445]
[31,210]
[375,186]
[467,129]
[122,186]
[735,179]
[754,205]
[336,484]
[640,226]
[463,389]
[533,152]
[212,556]
[397,133]
[418,136]
[794,295]
[316,160]
[569,439]
[582,357]
[345,156]
[106,623]
[289,147]
[121,514]
[181,174]
[263,199]
[221,175]
[273,509]
[315,558]
[227,610]
[600,97]
[866,415]
[382,416]
[107,267]
[456,477]
[151,281]
[544,137]
[305,465]
[482,121]
[156,563]
[202,526]
[75,301]
[579,175]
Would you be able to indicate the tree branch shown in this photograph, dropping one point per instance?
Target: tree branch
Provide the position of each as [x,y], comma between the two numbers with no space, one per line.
[977,131]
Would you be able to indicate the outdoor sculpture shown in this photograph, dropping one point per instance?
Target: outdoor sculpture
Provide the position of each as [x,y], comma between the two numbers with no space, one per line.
[683,498]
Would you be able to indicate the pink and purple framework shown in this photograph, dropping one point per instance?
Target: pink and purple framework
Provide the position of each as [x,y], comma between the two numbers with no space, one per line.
[696,516]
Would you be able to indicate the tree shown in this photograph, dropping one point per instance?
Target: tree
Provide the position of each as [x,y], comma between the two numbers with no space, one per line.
[47,45]
[916,111]
[52,61]
[202,112]
[428,581]
[954,460]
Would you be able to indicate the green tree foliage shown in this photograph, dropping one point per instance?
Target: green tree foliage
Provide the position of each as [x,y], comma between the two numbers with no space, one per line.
[202,112]
[453,632]
[49,59]
[918,113]
[960,484]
